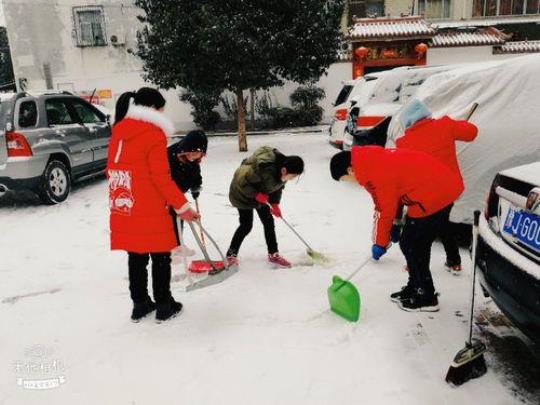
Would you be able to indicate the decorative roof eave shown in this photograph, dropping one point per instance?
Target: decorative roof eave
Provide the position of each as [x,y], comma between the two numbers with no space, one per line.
[518,47]
[473,37]
[390,29]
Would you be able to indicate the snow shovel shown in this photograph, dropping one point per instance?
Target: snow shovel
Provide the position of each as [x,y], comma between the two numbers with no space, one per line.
[216,271]
[344,297]
[316,256]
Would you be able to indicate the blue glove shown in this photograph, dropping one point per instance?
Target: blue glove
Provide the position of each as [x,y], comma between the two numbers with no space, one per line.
[377,252]
[395,233]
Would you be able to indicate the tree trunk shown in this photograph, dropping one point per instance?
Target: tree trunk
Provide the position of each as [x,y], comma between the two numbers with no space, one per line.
[242,139]
[252,102]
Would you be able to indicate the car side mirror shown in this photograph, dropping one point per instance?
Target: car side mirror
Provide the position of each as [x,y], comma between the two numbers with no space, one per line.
[108,119]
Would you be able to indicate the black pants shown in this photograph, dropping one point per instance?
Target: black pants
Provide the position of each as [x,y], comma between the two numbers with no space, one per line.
[246,224]
[161,276]
[449,241]
[416,240]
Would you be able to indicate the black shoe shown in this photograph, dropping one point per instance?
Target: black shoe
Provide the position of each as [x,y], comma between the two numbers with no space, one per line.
[168,311]
[404,293]
[142,309]
[420,303]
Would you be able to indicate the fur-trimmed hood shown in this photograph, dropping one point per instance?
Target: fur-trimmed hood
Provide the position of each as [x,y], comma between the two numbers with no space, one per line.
[151,116]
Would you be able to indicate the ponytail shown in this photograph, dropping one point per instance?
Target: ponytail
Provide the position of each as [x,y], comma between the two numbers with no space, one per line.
[122,106]
[145,96]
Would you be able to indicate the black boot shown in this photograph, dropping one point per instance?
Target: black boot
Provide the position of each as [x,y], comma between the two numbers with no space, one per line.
[168,310]
[142,309]
[420,301]
[402,294]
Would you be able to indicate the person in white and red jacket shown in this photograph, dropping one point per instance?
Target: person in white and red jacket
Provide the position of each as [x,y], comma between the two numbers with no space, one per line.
[140,193]
[436,137]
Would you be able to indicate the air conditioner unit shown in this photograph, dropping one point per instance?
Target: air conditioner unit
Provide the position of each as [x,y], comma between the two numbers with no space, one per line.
[118,39]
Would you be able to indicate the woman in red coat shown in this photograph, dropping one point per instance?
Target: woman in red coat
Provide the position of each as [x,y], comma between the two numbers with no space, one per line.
[140,193]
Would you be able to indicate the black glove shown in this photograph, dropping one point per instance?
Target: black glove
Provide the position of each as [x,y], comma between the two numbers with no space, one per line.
[395,232]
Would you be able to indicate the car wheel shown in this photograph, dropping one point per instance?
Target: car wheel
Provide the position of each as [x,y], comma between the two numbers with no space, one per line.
[55,183]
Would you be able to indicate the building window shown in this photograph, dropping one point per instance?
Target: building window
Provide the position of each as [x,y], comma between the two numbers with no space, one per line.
[89,26]
[434,8]
[366,8]
[488,8]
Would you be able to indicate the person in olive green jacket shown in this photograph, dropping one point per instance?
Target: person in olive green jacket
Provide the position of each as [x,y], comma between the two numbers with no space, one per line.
[257,185]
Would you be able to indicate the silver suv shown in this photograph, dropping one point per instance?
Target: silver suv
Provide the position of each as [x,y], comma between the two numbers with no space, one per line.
[48,141]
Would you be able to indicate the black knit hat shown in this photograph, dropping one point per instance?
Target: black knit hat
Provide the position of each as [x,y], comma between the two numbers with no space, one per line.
[194,141]
[339,164]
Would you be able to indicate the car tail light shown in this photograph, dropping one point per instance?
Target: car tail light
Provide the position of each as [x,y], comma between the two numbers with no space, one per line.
[17,145]
[369,121]
[341,114]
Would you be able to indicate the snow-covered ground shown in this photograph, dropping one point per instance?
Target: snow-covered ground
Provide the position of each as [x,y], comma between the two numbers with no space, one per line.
[262,337]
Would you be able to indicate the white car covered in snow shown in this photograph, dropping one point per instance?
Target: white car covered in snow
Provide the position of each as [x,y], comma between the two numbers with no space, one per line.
[368,121]
[357,90]
[508,121]
[508,253]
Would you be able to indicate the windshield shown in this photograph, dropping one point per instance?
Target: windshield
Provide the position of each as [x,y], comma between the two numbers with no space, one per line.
[343,94]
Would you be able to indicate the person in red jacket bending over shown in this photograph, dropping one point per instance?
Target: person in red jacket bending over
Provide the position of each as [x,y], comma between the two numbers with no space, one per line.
[140,193]
[436,137]
[426,186]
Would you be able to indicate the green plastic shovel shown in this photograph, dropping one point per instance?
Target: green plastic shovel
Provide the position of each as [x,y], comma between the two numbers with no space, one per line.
[344,297]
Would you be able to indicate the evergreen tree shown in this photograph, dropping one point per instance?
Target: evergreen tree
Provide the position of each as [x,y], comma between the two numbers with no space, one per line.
[209,46]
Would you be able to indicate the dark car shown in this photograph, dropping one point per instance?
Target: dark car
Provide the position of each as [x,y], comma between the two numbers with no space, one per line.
[508,253]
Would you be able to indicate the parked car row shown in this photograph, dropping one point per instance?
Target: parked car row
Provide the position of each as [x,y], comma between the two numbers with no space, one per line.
[502,163]
[48,141]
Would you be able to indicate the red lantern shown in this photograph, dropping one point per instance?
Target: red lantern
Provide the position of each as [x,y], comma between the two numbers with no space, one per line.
[420,48]
[361,52]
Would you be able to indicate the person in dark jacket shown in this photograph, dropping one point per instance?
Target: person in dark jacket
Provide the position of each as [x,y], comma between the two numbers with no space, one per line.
[185,158]
[257,185]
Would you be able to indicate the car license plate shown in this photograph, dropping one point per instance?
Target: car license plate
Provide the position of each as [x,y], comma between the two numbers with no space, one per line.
[524,227]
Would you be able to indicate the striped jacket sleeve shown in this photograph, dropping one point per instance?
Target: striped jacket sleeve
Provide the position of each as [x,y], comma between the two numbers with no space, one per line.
[386,200]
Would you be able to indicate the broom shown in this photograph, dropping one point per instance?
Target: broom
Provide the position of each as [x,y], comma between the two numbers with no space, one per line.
[469,362]
[316,256]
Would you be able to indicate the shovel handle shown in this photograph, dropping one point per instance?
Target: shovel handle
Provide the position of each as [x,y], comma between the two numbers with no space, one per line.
[199,212]
[473,279]
[202,247]
[293,230]
[181,239]
[471,111]
[354,273]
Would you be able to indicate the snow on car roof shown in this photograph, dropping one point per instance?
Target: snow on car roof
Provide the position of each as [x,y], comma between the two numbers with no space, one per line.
[393,86]
[6,96]
[529,173]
